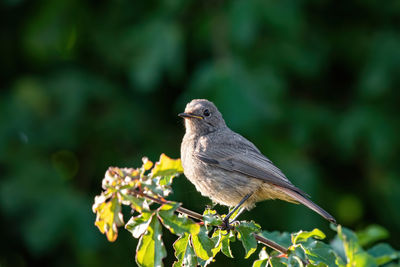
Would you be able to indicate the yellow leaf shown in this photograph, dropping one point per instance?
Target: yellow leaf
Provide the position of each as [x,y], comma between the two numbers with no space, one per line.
[147,164]
[167,166]
[109,217]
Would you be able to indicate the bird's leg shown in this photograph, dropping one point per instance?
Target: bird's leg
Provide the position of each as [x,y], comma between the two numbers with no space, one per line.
[237,215]
[226,219]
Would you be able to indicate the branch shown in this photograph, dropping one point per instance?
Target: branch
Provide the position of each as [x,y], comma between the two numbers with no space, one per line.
[199,217]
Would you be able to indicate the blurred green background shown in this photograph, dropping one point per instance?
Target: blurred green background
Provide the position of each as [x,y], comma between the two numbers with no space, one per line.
[91,84]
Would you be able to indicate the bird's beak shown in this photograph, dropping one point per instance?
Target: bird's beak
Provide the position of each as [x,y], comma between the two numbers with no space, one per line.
[189,115]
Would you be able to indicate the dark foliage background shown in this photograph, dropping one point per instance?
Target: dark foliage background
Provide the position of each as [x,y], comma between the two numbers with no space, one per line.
[91,84]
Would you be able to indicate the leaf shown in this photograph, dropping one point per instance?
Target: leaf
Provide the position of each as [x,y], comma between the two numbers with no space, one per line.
[139,204]
[356,256]
[202,244]
[138,225]
[108,218]
[383,253]
[318,252]
[167,166]
[371,234]
[184,252]
[216,238]
[263,259]
[283,239]
[177,225]
[210,217]
[150,250]
[304,235]
[226,240]
[246,230]
[147,164]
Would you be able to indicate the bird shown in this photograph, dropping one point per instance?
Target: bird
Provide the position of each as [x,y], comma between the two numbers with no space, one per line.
[229,169]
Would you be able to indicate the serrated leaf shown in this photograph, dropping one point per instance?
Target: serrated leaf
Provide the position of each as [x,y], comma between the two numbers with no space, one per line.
[371,234]
[216,237]
[304,235]
[384,253]
[246,230]
[138,225]
[210,217]
[138,204]
[226,240]
[167,167]
[184,252]
[318,252]
[108,218]
[151,250]
[177,225]
[202,244]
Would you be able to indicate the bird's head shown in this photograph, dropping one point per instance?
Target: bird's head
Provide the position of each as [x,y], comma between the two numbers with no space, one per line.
[202,117]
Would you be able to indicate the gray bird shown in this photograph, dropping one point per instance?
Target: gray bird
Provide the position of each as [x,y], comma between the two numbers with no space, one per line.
[229,169]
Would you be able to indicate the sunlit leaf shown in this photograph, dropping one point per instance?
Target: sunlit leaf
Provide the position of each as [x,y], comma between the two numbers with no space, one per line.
[184,252]
[262,259]
[176,224]
[139,204]
[246,230]
[226,240]
[318,252]
[356,256]
[150,250]
[202,244]
[108,218]
[167,167]
[147,164]
[304,235]
[138,225]
[211,217]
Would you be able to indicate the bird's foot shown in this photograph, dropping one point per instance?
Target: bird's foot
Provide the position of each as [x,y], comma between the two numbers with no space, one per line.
[227,226]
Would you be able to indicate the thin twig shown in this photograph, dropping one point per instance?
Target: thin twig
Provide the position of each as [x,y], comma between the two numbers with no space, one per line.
[198,216]
[271,244]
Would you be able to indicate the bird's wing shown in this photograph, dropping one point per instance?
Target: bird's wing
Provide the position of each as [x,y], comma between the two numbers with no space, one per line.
[241,156]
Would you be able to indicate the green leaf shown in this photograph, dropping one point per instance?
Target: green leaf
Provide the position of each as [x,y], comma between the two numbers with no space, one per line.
[109,217]
[139,204]
[184,252]
[167,167]
[283,239]
[138,225]
[384,253]
[356,256]
[211,217]
[177,225]
[246,231]
[304,235]
[318,252]
[150,250]
[371,234]
[203,245]
[263,259]
[226,239]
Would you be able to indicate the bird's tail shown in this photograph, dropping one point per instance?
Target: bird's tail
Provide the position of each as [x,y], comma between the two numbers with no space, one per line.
[308,203]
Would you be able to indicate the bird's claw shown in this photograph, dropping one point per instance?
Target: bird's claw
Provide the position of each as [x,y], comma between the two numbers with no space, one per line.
[227,226]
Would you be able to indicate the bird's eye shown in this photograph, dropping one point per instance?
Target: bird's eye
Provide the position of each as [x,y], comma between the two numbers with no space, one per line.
[206,113]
